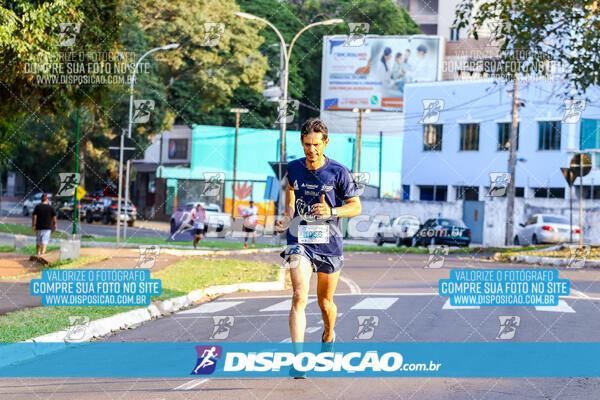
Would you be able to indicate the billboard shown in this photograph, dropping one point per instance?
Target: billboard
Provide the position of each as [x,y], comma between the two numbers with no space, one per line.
[372,73]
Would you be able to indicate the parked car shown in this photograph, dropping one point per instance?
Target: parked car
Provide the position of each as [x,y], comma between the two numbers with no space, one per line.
[214,219]
[544,228]
[400,230]
[105,209]
[442,231]
[32,201]
[66,208]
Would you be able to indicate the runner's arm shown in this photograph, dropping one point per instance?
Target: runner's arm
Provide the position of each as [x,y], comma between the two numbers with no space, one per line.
[290,201]
[351,208]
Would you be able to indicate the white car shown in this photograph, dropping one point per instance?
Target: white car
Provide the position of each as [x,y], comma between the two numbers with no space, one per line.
[214,217]
[400,230]
[544,228]
[32,201]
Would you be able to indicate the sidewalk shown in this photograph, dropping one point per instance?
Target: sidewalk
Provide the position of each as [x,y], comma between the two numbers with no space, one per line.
[15,294]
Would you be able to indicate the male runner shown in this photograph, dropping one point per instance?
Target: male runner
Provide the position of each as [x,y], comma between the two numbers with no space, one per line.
[320,191]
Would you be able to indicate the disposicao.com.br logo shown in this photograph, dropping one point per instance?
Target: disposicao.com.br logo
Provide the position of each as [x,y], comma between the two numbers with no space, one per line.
[272,362]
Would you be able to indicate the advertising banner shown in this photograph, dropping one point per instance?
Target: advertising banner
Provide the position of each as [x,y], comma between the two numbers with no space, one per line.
[372,73]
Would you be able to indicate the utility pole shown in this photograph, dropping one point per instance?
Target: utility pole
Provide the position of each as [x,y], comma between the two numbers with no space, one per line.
[237,112]
[512,163]
[75,210]
[358,141]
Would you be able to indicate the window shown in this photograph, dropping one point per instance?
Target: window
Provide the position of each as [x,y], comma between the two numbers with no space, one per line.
[519,192]
[454,34]
[504,136]
[589,137]
[469,193]
[553,193]
[549,135]
[151,183]
[531,221]
[405,192]
[433,193]
[589,192]
[432,137]
[178,149]
[469,137]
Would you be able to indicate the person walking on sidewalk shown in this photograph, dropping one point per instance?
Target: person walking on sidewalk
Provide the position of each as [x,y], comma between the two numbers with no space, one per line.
[250,216]
[197,217]
[320,191]
[43,222]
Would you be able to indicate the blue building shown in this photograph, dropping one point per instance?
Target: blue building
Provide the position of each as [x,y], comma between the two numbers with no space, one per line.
[175,166]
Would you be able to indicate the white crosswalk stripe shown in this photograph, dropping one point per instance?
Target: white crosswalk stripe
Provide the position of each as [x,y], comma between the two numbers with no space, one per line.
[375,303]
[211,307]
[561,307]
[285,305]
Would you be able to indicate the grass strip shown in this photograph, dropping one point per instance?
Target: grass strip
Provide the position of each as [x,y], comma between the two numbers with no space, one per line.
[27,249]
[27,231]
[164,242]
[178,279]
[425,250]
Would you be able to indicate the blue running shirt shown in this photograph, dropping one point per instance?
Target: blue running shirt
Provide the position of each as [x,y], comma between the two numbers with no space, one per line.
[333,180]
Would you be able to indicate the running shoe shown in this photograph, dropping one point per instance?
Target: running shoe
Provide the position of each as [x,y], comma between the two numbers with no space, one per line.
[327,347]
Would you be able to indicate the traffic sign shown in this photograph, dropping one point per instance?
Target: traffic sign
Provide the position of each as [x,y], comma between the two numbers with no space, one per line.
[581,164]
[569,175]
[128,148]
[280,169]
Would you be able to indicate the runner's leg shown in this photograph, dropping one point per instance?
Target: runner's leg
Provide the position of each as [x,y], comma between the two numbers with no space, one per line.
[300,270]
[326,285]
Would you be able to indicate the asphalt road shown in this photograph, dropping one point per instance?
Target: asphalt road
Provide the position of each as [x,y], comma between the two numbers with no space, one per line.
[400,293]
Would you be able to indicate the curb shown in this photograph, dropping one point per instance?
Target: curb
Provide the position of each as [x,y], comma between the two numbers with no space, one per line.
[552,261]
[157,309]
[184,252]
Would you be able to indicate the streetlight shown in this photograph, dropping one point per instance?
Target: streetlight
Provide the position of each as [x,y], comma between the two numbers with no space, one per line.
[237,112]
[284,72]
[166,47]
[284,80]
[358,142]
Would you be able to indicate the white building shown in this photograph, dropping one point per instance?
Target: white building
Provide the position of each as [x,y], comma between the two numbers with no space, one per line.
[450,159]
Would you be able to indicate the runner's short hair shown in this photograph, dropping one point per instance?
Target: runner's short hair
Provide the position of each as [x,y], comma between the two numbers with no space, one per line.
[314,125]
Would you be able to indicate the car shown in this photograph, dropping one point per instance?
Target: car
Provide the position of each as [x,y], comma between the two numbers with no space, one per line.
[215,219]
[544,228]
[65,211]
[32,201]
[448,231]
[105,209]
[400,230]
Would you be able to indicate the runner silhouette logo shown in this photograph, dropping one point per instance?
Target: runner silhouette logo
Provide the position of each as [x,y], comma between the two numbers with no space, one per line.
[207,359]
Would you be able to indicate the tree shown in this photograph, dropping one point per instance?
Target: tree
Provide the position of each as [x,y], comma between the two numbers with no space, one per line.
[206,75]
[531,38]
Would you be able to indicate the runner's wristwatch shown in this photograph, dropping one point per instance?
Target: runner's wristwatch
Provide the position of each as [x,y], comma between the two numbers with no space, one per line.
[334,213]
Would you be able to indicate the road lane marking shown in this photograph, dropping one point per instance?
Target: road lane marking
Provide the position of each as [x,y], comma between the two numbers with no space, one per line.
[579,294]
[448,306]
[354,288]
[191,384]
[246,316]
[211,307]
[285,305]
[375,303]
[561,307]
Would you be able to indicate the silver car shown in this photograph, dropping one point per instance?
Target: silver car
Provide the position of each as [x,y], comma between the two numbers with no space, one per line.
[544,228]
[400,230]
[32,201]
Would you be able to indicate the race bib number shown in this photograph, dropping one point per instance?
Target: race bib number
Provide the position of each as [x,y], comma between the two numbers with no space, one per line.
[313,234]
